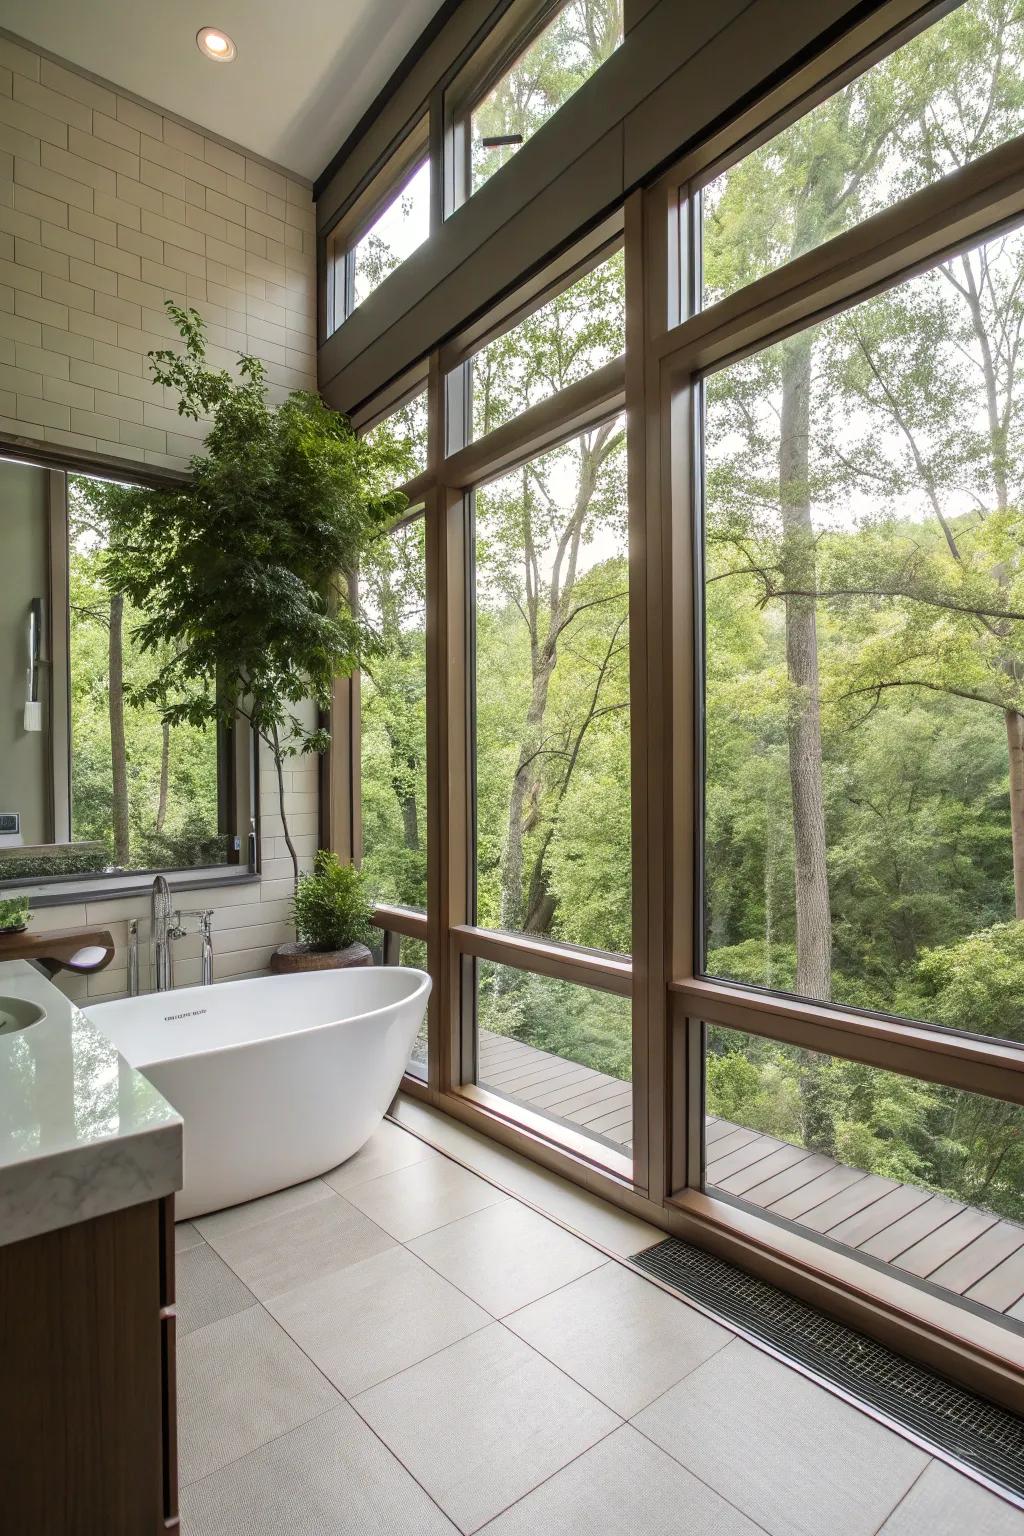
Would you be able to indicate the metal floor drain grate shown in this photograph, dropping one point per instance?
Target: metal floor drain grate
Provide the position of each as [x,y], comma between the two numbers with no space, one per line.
[980,1435]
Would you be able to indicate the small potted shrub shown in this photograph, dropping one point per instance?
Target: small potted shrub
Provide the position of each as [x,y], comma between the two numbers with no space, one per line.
[332,920]
[14,914]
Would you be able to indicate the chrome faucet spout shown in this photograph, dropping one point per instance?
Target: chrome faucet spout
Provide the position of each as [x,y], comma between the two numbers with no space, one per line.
[206,930]
[160,918]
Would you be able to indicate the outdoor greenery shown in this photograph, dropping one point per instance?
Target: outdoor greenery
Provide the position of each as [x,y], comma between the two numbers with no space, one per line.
[14,912]
[578,39]
[331,908]
[864,613]
[144,791]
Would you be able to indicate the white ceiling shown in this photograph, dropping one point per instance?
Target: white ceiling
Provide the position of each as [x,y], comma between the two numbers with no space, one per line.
[306,70]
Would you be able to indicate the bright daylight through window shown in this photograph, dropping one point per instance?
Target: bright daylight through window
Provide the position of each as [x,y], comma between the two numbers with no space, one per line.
[393,689]
[864,827]
[949,95]
[552,736]
[567,52]
[396,231]
[563,341]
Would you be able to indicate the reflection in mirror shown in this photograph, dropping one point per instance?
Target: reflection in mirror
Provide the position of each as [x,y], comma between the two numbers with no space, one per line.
[89,780]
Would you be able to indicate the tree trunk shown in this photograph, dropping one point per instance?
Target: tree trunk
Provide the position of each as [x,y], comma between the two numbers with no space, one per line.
[803,728]
[165,763]
[410,819]
[523,785]
[118,752]
[1015,743]
[275,746]
[813,915]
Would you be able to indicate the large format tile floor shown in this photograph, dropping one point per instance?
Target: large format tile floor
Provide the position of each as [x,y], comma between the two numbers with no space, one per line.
[403,1348]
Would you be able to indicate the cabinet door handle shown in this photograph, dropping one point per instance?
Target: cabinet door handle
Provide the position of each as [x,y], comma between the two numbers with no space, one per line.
[169,1396]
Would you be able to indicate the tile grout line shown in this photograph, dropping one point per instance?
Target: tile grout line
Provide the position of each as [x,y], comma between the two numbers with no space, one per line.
[697,1478]
[658,1395]
[481,1530]
[341,1399]
[904,1497]
[936,1453]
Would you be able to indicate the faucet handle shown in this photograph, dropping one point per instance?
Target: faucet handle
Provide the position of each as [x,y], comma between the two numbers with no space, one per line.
[174,926]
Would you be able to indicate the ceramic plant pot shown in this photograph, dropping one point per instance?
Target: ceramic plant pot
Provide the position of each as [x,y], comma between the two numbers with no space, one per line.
[288,959]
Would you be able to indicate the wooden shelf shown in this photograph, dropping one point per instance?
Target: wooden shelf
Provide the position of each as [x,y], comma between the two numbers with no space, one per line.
[82,951]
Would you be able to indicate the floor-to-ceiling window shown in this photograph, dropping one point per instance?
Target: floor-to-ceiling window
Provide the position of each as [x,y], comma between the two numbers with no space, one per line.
[719,808]
[857,478]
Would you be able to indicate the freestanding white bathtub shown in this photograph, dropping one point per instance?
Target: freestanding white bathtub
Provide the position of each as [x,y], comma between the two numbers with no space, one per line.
[277,1079]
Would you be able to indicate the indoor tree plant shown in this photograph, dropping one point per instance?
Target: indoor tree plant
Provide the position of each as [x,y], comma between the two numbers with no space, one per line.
[332,918]
[244,571]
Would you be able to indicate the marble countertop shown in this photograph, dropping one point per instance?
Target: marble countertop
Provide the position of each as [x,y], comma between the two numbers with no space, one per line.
[82,1133]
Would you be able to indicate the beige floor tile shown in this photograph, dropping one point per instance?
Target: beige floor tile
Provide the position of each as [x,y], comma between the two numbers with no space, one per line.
[206,1289]
[330,1477]
[371,1320]
[592,1217]
[622,1338]
[506,1255]
[425,1195]
[302,1245]
[624,1484]
[241,1382]
[185,1236]
[483,1423]
[237,1217]
[787,1453]
[943,1503]
[388,1148]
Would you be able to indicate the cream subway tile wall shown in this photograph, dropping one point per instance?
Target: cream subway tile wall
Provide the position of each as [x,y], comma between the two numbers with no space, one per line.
[108,207]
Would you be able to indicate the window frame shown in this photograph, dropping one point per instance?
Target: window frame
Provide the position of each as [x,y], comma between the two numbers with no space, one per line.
[512,31]
[360,214]
[669,346]
[878,254]
[238,797]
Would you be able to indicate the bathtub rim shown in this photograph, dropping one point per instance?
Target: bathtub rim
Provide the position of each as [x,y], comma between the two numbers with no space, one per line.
[423,988]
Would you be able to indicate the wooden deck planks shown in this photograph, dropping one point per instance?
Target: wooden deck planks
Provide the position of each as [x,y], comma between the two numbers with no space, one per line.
[964,1250]
[980,1258]
[901,1235]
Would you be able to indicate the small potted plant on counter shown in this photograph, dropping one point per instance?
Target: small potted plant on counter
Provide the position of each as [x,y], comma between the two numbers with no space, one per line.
[332,919]
[14,914]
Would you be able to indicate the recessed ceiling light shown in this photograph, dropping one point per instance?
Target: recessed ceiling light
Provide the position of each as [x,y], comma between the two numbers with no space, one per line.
[215,44]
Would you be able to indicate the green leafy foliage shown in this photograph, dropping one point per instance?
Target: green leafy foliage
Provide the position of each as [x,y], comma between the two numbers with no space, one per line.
[14,912]
[331,907]
[243,573]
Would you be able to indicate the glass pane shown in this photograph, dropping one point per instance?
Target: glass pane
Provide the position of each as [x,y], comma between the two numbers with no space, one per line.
[864,808]
[392,585]
[143,795]
[553,67]
[414,952]
[560,343]
[946,97]
[925,1178]
[552,696]
[561,1050]
[407,430]
[401,226]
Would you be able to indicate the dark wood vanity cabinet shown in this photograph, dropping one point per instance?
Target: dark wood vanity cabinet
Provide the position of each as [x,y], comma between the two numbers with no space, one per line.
[87,1386]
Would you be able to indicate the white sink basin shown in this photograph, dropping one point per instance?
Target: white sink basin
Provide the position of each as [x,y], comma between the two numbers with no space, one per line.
[18,1013]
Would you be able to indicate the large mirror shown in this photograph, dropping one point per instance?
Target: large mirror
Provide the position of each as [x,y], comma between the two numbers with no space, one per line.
[89,783]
